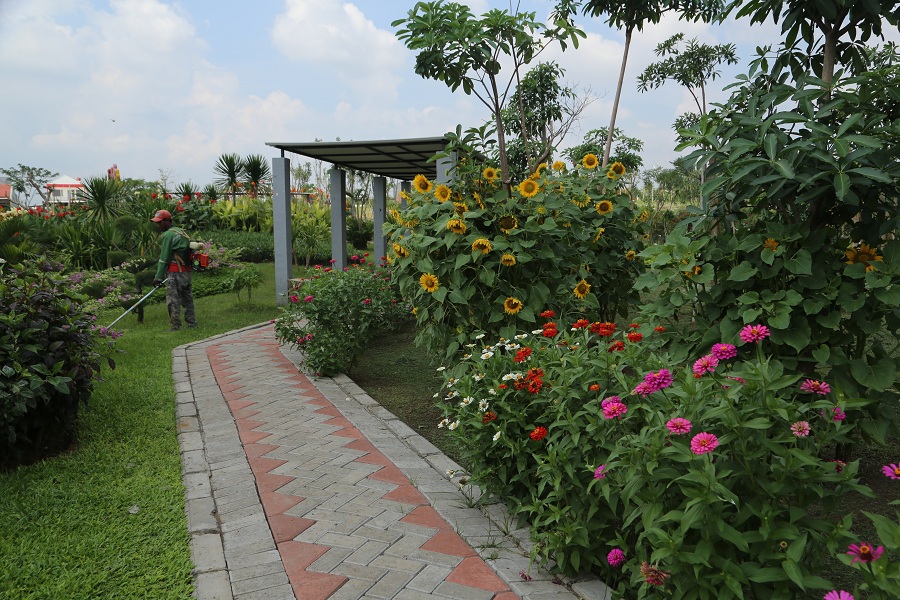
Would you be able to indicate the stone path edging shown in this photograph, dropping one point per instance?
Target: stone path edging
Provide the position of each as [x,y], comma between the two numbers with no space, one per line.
[213,454]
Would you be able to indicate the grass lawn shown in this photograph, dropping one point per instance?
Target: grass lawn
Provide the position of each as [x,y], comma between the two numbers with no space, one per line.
[106,520]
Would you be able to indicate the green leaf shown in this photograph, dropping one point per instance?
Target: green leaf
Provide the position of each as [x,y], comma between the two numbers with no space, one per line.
[875,174]
[822,353]
[800,263]
[878,377]
[890,295]
[758,423]
[841,185]
[767,575]
[888,530]
[795,550]
[784,168]
[742,272]
[463,259]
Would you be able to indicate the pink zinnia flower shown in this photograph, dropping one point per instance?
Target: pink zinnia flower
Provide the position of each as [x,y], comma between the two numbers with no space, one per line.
[723,351]
[707,364]
[599,473]
[679,426]
[839,465]
[614,410]
[609,400]
[892,471]
[839,415]
[838,595]
[704,443]
[643,389]
[801,428]
[308,299]
[367,301]
[815,387]
[659,380]
[615,558]
[295,298]
[754,333]
[864,552]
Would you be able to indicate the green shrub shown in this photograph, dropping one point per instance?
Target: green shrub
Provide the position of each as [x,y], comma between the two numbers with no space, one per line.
[50,353]
[243,278]
[476,255]
[575,426]
[334,315]
[254,246]
[211,283]
[359,232]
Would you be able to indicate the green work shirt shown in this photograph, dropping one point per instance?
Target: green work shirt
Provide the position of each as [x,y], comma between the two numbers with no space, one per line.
[172,241]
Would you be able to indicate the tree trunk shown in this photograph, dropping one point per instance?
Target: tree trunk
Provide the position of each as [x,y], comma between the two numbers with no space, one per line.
[615,108]
[501,135]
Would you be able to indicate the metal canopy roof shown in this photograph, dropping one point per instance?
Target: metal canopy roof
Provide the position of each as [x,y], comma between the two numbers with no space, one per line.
[397,159]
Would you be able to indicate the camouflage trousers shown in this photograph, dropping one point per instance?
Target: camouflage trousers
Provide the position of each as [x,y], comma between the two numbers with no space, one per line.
[179,296]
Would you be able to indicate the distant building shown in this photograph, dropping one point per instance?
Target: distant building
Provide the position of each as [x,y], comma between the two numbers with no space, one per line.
[64,190]
[6,195]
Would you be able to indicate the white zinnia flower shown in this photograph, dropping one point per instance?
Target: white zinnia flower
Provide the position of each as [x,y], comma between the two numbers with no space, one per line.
[477,376]
[492,392]
[497,435]
[479,336]
[443,423]
[467,401]
[486,355]
[453,425]
[482,404]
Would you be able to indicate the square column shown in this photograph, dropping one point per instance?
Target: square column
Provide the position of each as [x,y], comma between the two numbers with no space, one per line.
[338,191]
[379,211]
[281,213]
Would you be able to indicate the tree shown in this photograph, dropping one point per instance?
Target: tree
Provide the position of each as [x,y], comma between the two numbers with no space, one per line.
[464,51]
[28,180]
[631,15]
[691,67]
[542,111]
[627,150]
[103,199]
[230,168]
[806,20]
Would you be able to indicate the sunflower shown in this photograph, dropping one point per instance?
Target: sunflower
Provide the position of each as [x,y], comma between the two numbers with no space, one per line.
[537,172]
[400,251]
[512,305]
[429,283]
[582,203]
[507,260]
[481,245]
[395,216]
[457,226]
[863,254]
[630,255]
[582,289]
[590,161]
[618,169]
[771,244]
[421,184]
[604,207]
[529,188]
[646,237]
[599,235]
[643,216]
[478,200]
[404,195]
[508,223]
[442,192]
[461,208]
[489,173]
[541,210]
[558,166]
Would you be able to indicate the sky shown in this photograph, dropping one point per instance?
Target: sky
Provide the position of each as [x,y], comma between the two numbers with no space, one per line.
[164,87]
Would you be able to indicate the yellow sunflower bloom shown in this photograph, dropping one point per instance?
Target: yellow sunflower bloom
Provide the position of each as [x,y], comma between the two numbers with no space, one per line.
[404,195]
[400,251]
[457,226]
[461,208]
[600,233]
[429,283]
[478,200]
[771,243]
[481,245]
[529,188]
[618,168]
[604,207]
[508,223]
[395,215]
[421,184]
[490,173]
[582,289]
[507,260]
[512,305]
[582,203]
[442,192]
[630,255]
[558,166]
[863,254]
[590,161]
[643,216]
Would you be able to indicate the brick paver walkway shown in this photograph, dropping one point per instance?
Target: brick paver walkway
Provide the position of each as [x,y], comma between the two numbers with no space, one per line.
[308,489]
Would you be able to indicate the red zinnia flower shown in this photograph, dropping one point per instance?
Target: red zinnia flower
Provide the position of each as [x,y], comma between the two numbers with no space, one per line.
[538,434]
[659,329]
[594,387]
[522,355]
[634,325]
[634,336]
[488,417]
[502,386]
[580,324]
[617,346]
[548,314]
[603,329]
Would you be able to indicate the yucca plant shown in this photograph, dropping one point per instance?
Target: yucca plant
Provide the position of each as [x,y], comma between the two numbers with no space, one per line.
[257,173]
[104,199]
[230,169]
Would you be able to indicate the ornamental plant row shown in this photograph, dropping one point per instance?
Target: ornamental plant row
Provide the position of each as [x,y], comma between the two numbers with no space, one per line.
[667,477]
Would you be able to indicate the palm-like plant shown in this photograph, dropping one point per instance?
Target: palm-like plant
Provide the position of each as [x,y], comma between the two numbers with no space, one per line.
[104,199]
[230,168]
[186,191]
[257,173]
[15,245]
[211,192]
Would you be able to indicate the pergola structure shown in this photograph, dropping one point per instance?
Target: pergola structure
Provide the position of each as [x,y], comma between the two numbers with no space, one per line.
[395,159]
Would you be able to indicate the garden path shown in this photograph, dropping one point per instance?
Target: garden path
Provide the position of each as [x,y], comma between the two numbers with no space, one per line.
[306,488]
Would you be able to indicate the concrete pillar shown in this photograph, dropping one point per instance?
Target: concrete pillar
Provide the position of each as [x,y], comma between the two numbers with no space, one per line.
[445,166]
[379,212]
[338,193]
[281,212]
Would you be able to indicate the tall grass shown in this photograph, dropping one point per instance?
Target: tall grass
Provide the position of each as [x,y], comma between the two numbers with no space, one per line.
[106,520]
